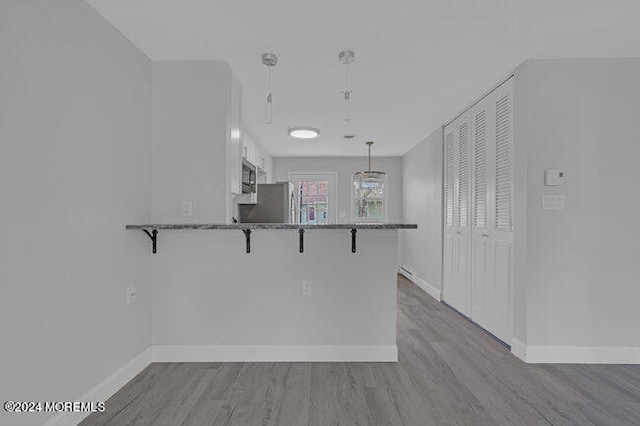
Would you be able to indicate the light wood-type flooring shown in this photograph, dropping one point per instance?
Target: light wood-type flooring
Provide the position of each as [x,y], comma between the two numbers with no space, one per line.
[449,373]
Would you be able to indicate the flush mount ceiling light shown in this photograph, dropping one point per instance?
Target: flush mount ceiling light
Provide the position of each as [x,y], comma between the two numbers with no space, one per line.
[269,60]
[304,132]
[346,57]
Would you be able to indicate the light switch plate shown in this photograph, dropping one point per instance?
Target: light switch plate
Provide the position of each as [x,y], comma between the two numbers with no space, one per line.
[553,202]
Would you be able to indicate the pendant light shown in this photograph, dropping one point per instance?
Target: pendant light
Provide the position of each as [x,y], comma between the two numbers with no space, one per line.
[346,57]
[369,193]
[269,60]
[369,176]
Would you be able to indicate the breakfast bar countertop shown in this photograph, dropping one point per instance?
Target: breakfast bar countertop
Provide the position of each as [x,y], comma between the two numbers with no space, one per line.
[242,226]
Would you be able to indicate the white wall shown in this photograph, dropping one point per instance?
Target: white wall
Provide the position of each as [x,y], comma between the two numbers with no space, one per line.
[75,167]
[582,278]
[345,168]
[191,108]
[208,291]
[420,250]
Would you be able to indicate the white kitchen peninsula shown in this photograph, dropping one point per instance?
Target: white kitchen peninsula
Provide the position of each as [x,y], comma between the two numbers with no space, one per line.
[271,292]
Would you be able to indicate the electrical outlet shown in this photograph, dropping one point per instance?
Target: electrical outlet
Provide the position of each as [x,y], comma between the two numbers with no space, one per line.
[306,288]
[187,208]
[131,295]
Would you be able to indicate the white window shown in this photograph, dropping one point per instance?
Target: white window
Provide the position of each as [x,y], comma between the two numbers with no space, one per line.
[315,197]
[369,200]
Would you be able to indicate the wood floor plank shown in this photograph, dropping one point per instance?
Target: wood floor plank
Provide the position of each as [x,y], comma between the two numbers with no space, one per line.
[411,407]
[449,372]
[249,396]
[323,395]
[352,402]
[295,392]
[382,407]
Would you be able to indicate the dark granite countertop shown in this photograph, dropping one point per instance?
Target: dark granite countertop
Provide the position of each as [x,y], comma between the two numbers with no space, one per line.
[242,226]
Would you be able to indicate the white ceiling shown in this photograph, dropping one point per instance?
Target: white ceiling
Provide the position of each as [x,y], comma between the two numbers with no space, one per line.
[418,62]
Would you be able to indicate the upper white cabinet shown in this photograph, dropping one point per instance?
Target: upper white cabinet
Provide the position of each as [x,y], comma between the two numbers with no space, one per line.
[255,153]
[235,137]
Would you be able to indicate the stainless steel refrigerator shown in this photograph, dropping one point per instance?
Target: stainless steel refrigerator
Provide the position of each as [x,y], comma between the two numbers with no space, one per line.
[275,204]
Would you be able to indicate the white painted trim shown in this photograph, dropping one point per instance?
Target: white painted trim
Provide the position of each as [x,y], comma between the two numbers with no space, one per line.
[482,96]
[105,389]
[575,354]
[583,355]
[519,349]
[333,206]
[428,288]
[280,353]
[405,272]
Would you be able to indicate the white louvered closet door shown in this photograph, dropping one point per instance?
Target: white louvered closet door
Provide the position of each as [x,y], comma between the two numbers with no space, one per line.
[457,190]
[478,188]
[500,284]
[492,234]
[482,119]
[449,261]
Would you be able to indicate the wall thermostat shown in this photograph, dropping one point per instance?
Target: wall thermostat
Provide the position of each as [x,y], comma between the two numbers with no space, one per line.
[553,177]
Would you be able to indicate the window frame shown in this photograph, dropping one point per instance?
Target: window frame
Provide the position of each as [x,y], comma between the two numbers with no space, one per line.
[332,194]
[384,203]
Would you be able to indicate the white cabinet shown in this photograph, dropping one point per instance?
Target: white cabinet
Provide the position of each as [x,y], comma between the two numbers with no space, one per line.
[255,154]
[478,230]
[249,148]
[246,147]
[234,138]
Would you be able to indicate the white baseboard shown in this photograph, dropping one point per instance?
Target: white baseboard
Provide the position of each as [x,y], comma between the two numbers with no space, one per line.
[106,388]
[406,272]
[575,354]
[519,349]
[428,288]
[281,353]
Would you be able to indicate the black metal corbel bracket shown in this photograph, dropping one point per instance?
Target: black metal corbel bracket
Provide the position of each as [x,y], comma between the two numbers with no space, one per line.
[301,234]
[247,237]
[154,238]
[353,240]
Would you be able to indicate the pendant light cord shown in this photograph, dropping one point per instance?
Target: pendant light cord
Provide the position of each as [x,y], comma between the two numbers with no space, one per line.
[346,57]
[269,100]
[270,60]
